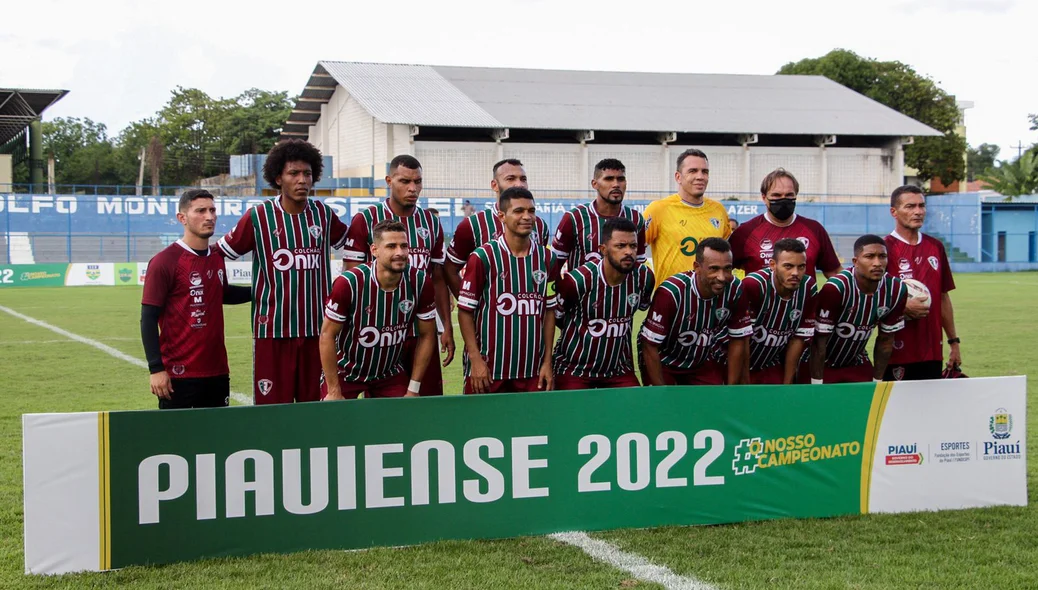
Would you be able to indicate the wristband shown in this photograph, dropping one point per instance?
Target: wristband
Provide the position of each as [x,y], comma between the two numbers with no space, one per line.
[953,341]
[816,381]
[414,386]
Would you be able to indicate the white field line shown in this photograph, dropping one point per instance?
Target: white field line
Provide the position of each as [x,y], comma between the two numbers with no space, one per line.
[238,397]
[632,563]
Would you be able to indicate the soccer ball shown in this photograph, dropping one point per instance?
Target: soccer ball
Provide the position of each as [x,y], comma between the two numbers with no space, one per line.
[917,290]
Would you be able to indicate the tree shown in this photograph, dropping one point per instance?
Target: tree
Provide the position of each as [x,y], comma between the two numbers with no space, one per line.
[82,151]
[1019,177]
[980,159]
[901,88]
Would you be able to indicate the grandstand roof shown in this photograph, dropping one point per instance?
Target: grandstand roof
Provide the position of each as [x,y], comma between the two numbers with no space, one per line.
[20,106]
[446,96]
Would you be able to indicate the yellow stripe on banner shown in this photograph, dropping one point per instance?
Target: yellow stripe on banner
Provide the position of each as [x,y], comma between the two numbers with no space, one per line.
[104,496]
[876,410]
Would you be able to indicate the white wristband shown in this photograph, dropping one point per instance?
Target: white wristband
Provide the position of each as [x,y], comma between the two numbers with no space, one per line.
[414,386]
[816,381]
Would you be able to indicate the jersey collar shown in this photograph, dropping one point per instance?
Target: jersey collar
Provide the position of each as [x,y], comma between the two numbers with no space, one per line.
[768,219]
[897,236]
[182,244]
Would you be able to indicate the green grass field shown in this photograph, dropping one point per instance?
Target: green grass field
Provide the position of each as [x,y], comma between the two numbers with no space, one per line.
[42,371]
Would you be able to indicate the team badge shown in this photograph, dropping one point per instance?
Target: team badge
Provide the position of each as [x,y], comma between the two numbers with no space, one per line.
[406,305]
[315,231]
[1001,424]
[261,320]
[899,373]
[219,274]
[633,299]
[423,233]
[716,222]
[179,370]
[536,237]
[898,345]
[539,276]
[806,242]
[766,245]
[794,315]
[265,385]
[933,262]
[195,278]
[721,314]
[883,310]
[904,265]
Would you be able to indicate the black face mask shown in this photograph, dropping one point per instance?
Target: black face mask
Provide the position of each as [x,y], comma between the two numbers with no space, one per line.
[782,209]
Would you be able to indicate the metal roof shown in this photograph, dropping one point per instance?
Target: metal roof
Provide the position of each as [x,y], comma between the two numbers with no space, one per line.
[446,96]
[21,106]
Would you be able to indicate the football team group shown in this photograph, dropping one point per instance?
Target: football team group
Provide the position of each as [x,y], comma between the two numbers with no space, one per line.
[383,327]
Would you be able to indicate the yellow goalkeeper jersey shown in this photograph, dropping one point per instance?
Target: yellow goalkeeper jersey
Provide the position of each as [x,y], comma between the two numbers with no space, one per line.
[673,229]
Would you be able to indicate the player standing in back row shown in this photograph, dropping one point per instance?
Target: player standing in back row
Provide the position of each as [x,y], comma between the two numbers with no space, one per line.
[849,306]
[425,253]
[578,237]
[598,300]
[506,305]
[372,310]
[675,225]
[485,226]
[291,237]
[918,349]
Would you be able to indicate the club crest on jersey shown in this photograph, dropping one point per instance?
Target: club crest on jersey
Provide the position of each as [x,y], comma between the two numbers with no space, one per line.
[715,222]
[794,314]
[265,385]
[406,305]
[904,265]
[898,345]
[933,262]
[899,373]
[721,314]
[806,242]
[178,370]
[315,231]
[633,299]
[536,237]
[883,310]
[766,245]
[195,278]
[219,274]
[539,276]
[423,233]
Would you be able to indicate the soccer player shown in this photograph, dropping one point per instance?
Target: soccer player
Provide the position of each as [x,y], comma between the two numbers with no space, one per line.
[182,313]
[485,226]
[776,304]
[506,305]
[753,242]
[425,240]
[598,300]
[918,350]
[849,306]
[291,237]
[690,312]
[373,309]
[675,225]
[577,239]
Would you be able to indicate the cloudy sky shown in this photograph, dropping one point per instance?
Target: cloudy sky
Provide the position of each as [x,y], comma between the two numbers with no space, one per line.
[120,60]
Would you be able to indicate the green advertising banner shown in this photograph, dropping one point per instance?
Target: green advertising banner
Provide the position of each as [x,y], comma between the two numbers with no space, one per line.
[126,273]
[32,275]
[107,490]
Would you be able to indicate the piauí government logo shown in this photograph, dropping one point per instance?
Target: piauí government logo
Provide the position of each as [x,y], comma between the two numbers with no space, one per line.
[1001,424]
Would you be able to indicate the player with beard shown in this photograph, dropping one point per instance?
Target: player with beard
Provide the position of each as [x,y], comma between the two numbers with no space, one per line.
[485,226]
[506,305]
[753,242]
[850,305]
[291,237]
[182,313]
[918,350]
[598,300]
[578,237]
[371,312]
[425,240]
[690,312]
[775,306]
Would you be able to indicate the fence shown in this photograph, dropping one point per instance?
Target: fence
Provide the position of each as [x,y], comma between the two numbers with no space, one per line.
[103,228]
